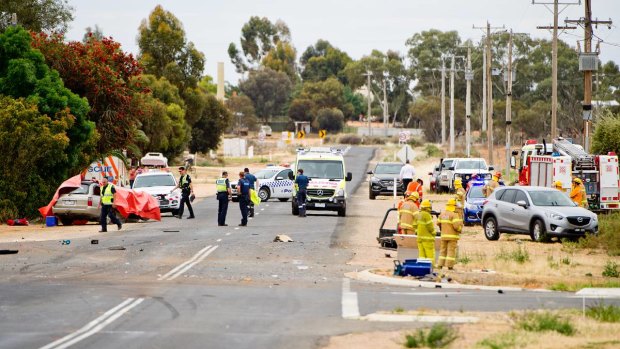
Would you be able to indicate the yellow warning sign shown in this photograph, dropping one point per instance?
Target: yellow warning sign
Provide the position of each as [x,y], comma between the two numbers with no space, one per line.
[322,133]
[301,134]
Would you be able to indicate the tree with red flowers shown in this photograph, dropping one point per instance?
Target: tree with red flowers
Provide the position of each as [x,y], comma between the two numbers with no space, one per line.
[99,70]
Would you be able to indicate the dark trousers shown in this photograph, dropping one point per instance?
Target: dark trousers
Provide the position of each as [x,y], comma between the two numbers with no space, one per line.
[222,208]
[406,182]
[244,201]
[185,201]
[301,202]
[107,211]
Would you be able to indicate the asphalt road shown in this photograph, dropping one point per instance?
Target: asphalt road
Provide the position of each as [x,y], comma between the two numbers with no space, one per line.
[192,284]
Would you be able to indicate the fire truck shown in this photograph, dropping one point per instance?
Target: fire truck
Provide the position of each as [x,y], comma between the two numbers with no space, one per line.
[543,164]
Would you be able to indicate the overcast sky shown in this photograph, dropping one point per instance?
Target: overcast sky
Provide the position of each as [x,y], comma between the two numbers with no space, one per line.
[355,26]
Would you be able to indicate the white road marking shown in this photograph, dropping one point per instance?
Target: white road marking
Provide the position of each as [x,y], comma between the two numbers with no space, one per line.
[227,234]
[237,228]
[302,267]
[428,293]
[185,266]
[96,325]
[218,240]
[350,307]
[262,209]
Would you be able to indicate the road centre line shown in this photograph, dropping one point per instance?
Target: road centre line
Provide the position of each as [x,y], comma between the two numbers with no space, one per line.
[96,325]
[350,307]
[185,266]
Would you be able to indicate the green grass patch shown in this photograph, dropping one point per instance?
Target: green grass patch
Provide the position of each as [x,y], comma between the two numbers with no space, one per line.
[611,270]
[604,313]
[432,151]
[572,287]
[398,310]
[544,322]
[608,237]
[519,255]
[439,336]
[502,341]
[465,259]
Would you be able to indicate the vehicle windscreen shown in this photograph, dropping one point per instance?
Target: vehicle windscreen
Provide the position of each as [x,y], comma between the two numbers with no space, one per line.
[83,189]
[265,174]
[447,163]
[550,198]
[388,169]
[154,181]
[475,192]
[331,169]
[471,165]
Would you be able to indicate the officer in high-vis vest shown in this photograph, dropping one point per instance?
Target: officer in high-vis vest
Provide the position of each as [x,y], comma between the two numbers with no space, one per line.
[185,183]
[222,186]
[426,232]
[450,224]
[107,206]
[407,214]
[459,196]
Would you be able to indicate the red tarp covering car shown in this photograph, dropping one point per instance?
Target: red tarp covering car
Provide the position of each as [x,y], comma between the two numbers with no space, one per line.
[127,201]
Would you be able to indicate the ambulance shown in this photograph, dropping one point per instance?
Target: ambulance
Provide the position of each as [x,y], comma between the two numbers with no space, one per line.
[327,190]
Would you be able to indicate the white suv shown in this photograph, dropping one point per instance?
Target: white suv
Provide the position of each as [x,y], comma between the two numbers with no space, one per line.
[159,184]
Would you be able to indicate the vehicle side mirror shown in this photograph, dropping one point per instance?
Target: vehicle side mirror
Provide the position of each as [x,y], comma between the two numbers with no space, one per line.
[369,172]
[451,168]
[279,178]
[515,152]
[491,168]
[291,176]
[513,162]
[430,173]
[349,177]
[522,203]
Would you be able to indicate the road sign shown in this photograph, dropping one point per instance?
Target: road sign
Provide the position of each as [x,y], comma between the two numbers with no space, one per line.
[403,136]
[322,133]
[261,136]
[405,153]
[301,134]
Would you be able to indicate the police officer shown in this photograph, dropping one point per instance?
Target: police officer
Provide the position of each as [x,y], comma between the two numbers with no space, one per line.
[301,182]
[222,185]
[252,180]
[107,205]
[185,183]
[243,191]
[450,224]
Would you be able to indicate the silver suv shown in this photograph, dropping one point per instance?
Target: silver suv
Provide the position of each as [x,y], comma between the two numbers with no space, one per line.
[540,212]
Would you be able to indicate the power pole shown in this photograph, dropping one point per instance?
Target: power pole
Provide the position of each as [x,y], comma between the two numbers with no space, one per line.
[469,75]
[554,58]
[385,106]
[489,89]
[509,106]
[452,71]
[368,95]
[484,91]
[587,68]
[443,101]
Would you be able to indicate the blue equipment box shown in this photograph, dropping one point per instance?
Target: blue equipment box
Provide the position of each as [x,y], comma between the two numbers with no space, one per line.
[414,267]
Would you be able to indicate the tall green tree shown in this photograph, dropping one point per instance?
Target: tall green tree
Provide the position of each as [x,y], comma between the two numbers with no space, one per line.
[242,108]
[322,61]
[269,90]
[606,137]
[37,15]
[282,58]
[24,74]
[165,51]
[258,36]
[214,118]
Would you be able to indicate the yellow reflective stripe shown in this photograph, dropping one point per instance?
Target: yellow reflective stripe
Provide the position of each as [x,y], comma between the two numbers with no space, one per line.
[407,211]
[449,236]
[406,225]
[443,221]
[451,258]
[442,257]
[426,238]
[426,222]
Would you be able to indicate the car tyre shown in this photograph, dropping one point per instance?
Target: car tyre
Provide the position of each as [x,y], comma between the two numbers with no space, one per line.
[264,194]
[490,229]
[66,220]
[371,195]
[538,231]
[342,212]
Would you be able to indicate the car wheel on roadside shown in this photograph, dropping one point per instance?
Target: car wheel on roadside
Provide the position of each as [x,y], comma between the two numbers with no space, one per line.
[371,195]
[538,232]
[264,194]
[490,229]
[342,212]
[66,220]
[175,212]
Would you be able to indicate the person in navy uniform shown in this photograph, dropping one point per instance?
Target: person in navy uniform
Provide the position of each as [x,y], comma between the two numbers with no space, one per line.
[252,180]
[301,181]
[224,192]
[243,191]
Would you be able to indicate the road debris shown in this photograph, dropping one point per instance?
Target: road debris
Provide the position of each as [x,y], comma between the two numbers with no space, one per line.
[171,231]
[282,238]
[65,242]
[8,251]
[116,248]
[94,242]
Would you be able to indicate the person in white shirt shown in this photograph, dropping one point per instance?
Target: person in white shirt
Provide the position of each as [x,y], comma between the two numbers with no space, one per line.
[407,174]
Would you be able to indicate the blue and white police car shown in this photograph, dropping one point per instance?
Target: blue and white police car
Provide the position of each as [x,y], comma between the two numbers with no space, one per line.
[273,183]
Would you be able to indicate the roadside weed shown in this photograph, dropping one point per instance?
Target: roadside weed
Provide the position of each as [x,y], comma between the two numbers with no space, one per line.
[398,310]
[439,336]
[519,255]
[604,313]
[611,270]
[607,239]
[572,287]
[566,260]
[545,321]
[465,259]
[502,341]
[432,151]
[552,263]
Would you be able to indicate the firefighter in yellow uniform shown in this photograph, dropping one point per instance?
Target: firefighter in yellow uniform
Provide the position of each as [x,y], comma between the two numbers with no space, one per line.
[426,232]
[459,196]
[450,225]
[492,185]
[407,214]
[578,193]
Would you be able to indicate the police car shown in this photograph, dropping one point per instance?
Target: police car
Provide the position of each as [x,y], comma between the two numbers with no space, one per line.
[272,182]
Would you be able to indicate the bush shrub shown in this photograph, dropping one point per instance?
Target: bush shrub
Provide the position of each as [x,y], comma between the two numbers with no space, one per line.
[545,321]
[350,139]
[439,336]
[605,313]
[433,151]
[330,119]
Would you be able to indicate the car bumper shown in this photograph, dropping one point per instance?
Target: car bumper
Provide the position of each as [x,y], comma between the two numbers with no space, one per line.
[385,191]
[77,212]
[326,205]
[169,206]
[472,215]
[566,229]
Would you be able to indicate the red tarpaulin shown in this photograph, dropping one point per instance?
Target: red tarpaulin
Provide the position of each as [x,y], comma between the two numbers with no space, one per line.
[127,201]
